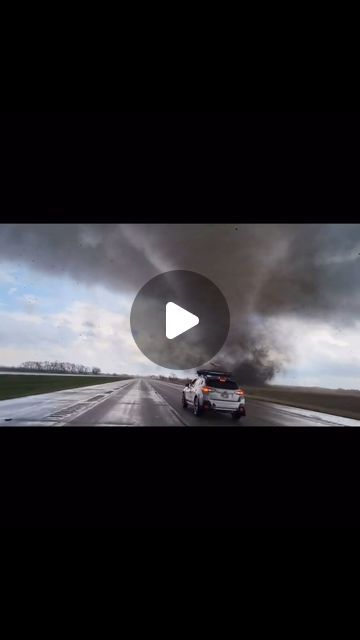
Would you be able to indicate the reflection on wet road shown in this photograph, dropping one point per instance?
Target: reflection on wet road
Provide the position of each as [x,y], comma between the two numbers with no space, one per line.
[144,402]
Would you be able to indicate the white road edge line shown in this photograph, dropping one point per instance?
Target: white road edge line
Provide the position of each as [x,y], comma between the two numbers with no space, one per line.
[171,408]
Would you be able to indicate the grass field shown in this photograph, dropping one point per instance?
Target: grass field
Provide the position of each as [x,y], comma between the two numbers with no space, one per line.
[340,402]
[16,386]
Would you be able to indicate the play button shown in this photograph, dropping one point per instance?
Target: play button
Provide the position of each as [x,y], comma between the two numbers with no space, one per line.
[180,320]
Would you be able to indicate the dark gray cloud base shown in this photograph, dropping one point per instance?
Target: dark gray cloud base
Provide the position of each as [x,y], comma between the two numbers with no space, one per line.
[264,271]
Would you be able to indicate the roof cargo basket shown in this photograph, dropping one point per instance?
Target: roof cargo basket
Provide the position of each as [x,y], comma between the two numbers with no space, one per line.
[211,372]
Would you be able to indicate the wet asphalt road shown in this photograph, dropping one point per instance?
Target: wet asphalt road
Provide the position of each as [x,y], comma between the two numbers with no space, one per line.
[141,402]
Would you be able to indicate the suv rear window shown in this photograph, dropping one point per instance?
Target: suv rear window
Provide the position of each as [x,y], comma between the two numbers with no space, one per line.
[215,382]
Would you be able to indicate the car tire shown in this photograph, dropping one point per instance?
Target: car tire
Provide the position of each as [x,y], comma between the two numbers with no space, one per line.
[197,408]
[236,415]
[184,403]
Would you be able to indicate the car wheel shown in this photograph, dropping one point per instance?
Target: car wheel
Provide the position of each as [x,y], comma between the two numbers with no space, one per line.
[197,408]
[184,403]
[236,415]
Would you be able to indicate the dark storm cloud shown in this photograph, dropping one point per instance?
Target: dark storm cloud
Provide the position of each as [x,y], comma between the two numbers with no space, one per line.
[87,253]
[263,270]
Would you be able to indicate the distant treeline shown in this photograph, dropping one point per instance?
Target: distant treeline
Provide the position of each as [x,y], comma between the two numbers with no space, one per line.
[54,367]
[173,378]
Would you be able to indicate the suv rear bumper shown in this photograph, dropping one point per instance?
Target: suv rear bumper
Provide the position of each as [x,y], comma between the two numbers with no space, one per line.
[222,405]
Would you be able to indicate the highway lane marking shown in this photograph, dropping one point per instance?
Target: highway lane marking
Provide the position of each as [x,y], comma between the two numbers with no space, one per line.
[89,407]
[173,411]
[309,415]
[131,392]
[22,410]
[119,424]
[130,407]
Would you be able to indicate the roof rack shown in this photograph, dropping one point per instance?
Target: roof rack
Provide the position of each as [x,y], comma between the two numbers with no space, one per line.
[211,372]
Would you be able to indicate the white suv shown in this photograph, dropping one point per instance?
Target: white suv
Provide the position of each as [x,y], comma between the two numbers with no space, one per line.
[214,391]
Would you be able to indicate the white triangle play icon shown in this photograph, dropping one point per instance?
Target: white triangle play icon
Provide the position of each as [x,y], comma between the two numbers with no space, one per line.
[178,320]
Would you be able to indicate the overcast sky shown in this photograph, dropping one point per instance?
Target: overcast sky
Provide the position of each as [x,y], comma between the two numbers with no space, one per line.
[66,292]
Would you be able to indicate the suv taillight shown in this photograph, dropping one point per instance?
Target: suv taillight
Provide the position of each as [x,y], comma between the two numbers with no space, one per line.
[240,392]
[207,389]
